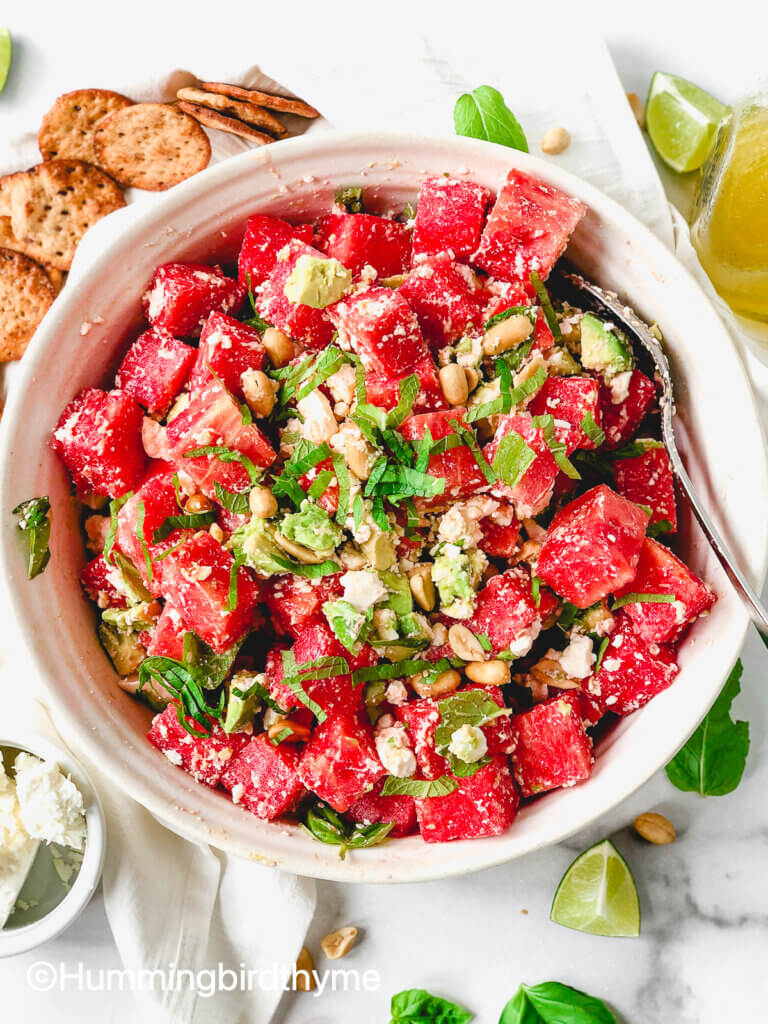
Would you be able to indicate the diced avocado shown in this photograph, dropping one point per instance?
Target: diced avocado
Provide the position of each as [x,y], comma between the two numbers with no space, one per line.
[316,282]
[415,628]
[254,542]
[456,574]
[312,527]
[560,363]
[400,598]
[123,648]
[242,702]
[135,618]
[128,581]
[351,198]
[350,626]
[604,349]
[375,695]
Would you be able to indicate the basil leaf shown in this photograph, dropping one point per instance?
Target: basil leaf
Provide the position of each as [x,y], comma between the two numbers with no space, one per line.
[184,521]
[712,761]
[633,598]
[546,304]
[472,707]
[551,1002]
[483,114]
[417,1006]
[184,685]
[420,788]
[224,454]
[114,507]
[34,525]
[591,429]
[512,458]
[235,501]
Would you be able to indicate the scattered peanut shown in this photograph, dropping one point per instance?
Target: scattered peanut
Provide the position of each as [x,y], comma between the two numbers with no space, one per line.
[655,828]
[299,732]
[549,671]
[445,683]
[306,979]
[198,503]
[337,944]
[380,551]
[351,558]
[473,378]
[357,453]
[465,644]
[259,393]
[507,334]
[279,346]
[262,502]
[453,384]
[637,108]
[490,673]
[422,587]
[299,552]
[556,140]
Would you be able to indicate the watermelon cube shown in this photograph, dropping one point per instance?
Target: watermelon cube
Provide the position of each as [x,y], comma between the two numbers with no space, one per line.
[264,778]
[449,217]
[382,328]
[446,298]
[263,240]
[621,419]
[421,718]
[181,295]
[98,438]
[294,601]
[552,748]
[660,572]
[507,613]
[382,389]
[360,240]
[569,400]
[196,579]
[457,466]
[632,670]
[585,706]
[373,808]
[592,546]
[155,369]
[312,327]
[98,581]
[527,229]
[498,733]
[485,804]
[532,492]
[647,480]
[167,637]
[203,757]
[228,348]
[339,763]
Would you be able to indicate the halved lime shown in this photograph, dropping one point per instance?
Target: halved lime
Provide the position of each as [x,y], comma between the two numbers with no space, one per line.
[597,894]
[6,56]
[682,121]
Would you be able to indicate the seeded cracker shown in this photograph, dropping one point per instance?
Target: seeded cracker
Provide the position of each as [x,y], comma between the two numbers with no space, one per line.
[247,112]
[263,99]
[67,129]
[55,203]
[26,294]
[212,119]
[151,146]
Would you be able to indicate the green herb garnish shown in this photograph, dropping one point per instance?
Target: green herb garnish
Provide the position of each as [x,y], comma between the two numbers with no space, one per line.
[225,454]
[420,788]
[512,458]
[483,114]
[34,526]
[325,825]
[633,598]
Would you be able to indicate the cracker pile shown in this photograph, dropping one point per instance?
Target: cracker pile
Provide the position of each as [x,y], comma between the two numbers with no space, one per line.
[94,143]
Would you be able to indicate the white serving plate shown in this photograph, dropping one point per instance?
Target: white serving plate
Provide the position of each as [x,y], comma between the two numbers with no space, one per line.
[203,219]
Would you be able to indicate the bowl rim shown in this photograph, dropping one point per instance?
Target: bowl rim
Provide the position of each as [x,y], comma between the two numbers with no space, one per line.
[190,823]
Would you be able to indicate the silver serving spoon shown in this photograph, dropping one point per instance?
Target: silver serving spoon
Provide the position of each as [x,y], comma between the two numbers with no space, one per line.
[568,284]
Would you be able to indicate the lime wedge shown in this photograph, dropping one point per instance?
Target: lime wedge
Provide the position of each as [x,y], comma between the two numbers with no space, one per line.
[597,894]
[6,56]
[682,121]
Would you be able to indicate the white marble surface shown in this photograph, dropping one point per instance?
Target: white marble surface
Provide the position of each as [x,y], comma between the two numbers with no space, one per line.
[701,956]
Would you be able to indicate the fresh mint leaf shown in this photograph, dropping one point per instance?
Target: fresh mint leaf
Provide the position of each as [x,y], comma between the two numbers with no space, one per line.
[185,684]
[225,454]
[712,761]
[420,788]
[483,114]
[591,429]
[512,458]
[114,507]
[184,521]
[546,304]
[472,707]
[34,526]
[551,1002]
[417,1006]
[326,826]
[235,501]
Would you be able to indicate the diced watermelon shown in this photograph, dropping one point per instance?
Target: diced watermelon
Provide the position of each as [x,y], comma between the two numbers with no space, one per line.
[485,804]
[97,578]
[98,438]
[228,348]
[647,480]
[295,601]
[263,240]
[382,389]
[373,808]
[264,778]
[621,420]
[181,295]
[506,294]
[569,400]
[533,490]
[382,328]
[360,240]
[498,733]
[552,747]
[168,635]
[203,757]
[421,718]
[632,671]
[586,707]
[499,540]
[329,499]
[457,466]
[592,546]
[339,763]
[660,572]
[449,216]
[446,298]
[527,229]
[507,613]
[155,369]
[312,327]
[196,578]
[214,418]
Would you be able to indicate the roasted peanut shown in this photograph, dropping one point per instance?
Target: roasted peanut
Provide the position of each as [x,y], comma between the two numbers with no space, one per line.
[197,503]
[490,673]
[306,979]
[465,644]
[422,587]
[473,378]
[259,393]
[262,502]
[637,108]
[337,944]
[453,384]
[216,532]
[299,552]
[445,683]
[655,828]
[279,346]
[556,140]
[507,334]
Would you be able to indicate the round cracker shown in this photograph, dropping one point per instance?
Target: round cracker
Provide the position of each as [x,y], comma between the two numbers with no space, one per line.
[213,119]
[151,146]
[7,184]
[55,203]
[26,295]
[66,132]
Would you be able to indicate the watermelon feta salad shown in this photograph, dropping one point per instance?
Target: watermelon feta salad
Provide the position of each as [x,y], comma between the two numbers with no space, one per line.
[380,531]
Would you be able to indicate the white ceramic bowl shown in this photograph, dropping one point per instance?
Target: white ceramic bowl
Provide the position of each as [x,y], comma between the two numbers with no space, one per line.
[204,218]
[25,937]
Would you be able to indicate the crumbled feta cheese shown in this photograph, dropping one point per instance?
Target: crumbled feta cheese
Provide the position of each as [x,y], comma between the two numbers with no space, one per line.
[363,589]
[51,804]
[397,693]
[342,384]
[619,386]
[319,422]
[17,849]
[394,752]
[578,658]
[468,743]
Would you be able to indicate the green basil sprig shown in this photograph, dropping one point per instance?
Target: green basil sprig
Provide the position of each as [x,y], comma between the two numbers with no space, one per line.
[34,526]
[325,825]
[483,114]
[551,1002]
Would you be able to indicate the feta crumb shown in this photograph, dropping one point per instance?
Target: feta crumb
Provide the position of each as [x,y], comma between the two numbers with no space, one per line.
[394,752]
[620,387]
[363,589]
[51,805]
[578,658]
[468,743]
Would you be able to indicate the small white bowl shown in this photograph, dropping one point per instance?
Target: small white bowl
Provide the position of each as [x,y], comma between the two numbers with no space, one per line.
[25,937]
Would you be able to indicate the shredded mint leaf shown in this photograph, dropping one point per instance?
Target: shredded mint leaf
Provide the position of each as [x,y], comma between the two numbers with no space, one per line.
[633,598]
[546,304]
[467,438]
[546,423]
[185,685]
[358,510]
[505,314]
[342,476]
[512,458]
[326,364]
[193,521]
[237,561]
[483,114]
[591,429]
[114,507]
[255,320]
[319,485]
[141,511]
[420,788]
[292,680]
[236,502]
[310,572]
[658,528]
[34,526]
[397,670]
[326,826]
[224,454]
[601,653]
[471,707]
[712,761]
[554,1003]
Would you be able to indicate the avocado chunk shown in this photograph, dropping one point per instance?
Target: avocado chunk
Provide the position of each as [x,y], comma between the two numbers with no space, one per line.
[400,598]
[312,527]
[242,702]
[316,282]
[254,543]
[604,349]
[456,574]
[350,626]
[122,646]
